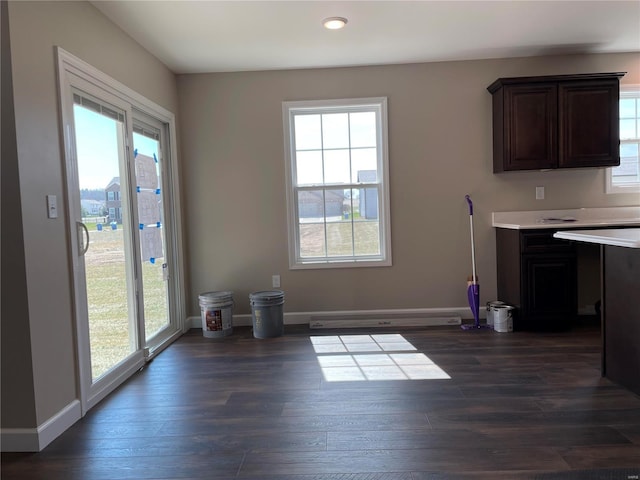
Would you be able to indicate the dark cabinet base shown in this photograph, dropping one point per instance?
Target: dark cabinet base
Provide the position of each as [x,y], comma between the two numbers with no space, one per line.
[549,291]
[621,314]
[538,275]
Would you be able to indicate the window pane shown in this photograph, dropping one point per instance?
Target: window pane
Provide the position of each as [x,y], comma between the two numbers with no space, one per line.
[307,132]
[629,150]
[336,204]
[364,165]
[335,130]
[628,171]
[347,205]
[628,108]
[336,166]
[311,206]
[363,129]
[627,129]
[312,240]
[368,203]
[367,238]
[339,239]
[309,167]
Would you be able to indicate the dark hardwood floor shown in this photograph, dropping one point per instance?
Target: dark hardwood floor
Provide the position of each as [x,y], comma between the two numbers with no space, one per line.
[517,406]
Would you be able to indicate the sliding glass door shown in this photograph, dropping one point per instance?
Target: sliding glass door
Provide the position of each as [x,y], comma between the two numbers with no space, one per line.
[123,218]
[105,258]
[148,158]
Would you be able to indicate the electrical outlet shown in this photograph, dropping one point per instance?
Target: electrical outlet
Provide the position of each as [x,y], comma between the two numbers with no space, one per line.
[275,281]
[539,193]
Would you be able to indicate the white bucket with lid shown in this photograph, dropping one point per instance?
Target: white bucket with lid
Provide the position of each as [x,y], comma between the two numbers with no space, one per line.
[503,318]
[217,314]
[267,313]
[491,306]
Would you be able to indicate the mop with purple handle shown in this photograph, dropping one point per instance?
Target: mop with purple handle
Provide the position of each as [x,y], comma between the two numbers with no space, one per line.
[473,288]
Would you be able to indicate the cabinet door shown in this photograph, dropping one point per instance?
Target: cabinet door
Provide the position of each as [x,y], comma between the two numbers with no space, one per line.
[549,291]
[530,123]
[589,126]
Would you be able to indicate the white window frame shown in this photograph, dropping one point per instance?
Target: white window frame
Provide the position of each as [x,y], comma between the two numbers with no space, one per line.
[376,104]
[627,91]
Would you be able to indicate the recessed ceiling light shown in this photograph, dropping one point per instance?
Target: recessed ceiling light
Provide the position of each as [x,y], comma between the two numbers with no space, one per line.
[334,23]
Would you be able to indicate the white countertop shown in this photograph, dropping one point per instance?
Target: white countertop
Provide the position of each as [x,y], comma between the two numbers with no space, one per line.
[617,237]
[570,218]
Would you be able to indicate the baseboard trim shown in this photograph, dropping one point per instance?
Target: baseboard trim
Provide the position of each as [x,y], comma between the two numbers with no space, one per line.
[36,439]
[408,316]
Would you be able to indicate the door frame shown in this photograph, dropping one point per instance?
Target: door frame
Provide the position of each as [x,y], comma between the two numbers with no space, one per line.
[74,72]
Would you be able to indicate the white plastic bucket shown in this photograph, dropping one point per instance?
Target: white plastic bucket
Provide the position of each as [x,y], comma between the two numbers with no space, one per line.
[217,314]
[503,318]
[490,309]
[267,313]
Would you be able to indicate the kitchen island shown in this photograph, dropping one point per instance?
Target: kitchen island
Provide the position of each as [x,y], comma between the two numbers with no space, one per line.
[620,283]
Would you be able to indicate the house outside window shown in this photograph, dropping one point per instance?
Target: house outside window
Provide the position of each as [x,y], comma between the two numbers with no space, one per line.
[626,177]
[337,183]
[114,203]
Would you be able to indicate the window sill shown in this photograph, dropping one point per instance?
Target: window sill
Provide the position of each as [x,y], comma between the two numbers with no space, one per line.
[339,264]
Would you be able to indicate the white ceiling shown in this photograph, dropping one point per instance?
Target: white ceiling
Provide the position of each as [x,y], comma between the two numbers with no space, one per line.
[222,36]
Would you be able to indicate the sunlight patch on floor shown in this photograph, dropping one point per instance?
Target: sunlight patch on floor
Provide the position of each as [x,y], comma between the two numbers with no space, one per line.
[347,358]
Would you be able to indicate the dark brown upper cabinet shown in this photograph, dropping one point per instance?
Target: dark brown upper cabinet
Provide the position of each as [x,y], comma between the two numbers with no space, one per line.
[560,121]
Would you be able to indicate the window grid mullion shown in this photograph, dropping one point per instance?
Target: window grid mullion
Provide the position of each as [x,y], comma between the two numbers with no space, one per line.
[324,192]
[353,233]
[353,230]
[338,186]
[369,147]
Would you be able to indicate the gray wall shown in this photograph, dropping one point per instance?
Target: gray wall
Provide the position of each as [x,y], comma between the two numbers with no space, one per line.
[440,148]
[15,348]
[44,310]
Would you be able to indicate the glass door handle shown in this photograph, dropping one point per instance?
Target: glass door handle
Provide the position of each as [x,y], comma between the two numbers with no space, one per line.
[85,245]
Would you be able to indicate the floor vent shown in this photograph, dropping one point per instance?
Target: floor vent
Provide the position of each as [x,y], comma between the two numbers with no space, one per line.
[376,319]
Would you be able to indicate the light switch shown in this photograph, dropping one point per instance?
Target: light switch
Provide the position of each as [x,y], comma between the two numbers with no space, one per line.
[52,206]
[275,281]
[539,193]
